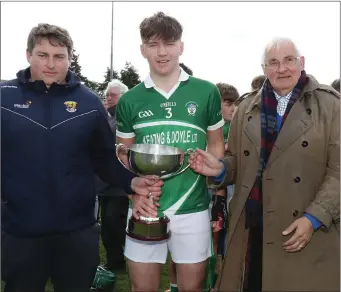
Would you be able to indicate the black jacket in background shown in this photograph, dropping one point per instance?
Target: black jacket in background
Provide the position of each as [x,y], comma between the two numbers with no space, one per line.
[103,188]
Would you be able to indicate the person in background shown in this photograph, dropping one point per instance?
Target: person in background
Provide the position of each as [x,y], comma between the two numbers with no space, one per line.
[284,157]
[113,200]
[186,69]
[257,82]
[229,95]
[256,85]
[105,103]
[336,85]
[54,138]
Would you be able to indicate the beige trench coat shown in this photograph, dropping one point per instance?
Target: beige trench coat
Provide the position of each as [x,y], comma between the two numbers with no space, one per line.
[302,175]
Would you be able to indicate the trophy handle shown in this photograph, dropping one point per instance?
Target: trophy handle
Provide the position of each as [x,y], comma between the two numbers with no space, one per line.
[188,152]
[121,147]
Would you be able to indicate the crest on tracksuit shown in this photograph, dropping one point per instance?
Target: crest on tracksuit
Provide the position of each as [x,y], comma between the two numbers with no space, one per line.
[71,106]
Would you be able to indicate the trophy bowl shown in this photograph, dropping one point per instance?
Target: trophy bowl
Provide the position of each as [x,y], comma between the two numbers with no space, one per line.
[155,160]
[152,160]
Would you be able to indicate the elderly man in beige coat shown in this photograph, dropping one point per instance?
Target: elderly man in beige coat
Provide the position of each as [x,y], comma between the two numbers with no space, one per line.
[284,157]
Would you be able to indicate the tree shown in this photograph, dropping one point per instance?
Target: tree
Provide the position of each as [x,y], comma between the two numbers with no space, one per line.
[77,69]
[92,85]
[186,69]
[103,86]
[129,75]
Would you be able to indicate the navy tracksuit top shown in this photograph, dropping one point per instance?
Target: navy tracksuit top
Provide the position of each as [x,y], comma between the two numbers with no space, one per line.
[52,142]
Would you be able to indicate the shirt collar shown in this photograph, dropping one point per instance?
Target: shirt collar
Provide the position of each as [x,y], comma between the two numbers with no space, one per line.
[285,97]
[148,82]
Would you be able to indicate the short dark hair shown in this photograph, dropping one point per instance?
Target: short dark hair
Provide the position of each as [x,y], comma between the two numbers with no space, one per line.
[228,92]
[54,34]
[257,82]
[160,26]
[336,85]
[186,69]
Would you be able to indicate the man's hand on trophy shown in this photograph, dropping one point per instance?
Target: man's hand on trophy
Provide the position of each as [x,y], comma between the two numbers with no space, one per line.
[144,186]
[144,206]
[205,163]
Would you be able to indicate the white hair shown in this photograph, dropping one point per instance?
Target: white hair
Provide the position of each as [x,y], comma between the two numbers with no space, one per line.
[116,83]
[276,43]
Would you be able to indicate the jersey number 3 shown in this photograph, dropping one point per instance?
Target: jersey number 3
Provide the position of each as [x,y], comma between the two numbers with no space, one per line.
[169,112]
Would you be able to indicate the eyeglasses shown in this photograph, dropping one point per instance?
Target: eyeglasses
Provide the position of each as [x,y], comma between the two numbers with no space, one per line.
[288,62]
[113,95]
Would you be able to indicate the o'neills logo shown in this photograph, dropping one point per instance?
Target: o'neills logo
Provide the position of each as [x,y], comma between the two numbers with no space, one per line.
[24,105]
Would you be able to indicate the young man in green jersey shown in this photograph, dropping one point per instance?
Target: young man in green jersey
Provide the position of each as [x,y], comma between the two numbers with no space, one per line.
[172,108]
[229,95]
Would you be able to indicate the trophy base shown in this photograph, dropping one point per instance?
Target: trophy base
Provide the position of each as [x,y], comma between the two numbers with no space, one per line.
[148,229]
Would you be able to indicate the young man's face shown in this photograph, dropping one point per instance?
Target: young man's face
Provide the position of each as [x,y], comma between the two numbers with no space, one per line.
[48,63]
[227,110]
[162,56]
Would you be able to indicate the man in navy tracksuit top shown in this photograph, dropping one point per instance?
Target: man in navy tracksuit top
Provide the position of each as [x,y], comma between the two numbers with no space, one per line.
[54,137]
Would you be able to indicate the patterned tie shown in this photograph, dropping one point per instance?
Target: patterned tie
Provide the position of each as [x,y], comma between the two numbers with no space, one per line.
[282,102]
[282,105]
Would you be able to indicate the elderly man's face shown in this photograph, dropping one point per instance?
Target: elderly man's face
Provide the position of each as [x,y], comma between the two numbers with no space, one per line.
[113,96]
[283,68]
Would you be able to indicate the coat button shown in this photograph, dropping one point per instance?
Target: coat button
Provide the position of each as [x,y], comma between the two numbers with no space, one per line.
[249,118]
[295,213]
[304,144]
[308,111]
[246,153]
[297,179]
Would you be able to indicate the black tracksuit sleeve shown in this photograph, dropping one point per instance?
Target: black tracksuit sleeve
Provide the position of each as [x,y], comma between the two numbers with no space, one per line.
[103,156]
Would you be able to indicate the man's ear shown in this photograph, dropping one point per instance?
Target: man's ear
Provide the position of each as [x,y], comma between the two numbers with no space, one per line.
[302,61]
[143,50]
[28,56]
[182,46]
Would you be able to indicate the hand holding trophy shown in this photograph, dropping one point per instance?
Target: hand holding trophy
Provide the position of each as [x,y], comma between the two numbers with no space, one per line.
[152,161]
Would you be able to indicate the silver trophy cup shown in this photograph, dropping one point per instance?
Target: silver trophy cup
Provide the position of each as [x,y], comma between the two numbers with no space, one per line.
[152,160]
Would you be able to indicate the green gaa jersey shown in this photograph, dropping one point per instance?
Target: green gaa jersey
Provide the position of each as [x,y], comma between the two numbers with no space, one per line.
[180,118]
[226,129]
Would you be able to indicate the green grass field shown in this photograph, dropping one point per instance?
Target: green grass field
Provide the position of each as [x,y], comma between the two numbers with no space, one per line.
[122,279]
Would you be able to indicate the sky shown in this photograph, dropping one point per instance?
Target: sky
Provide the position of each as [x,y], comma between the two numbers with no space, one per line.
[224,41]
